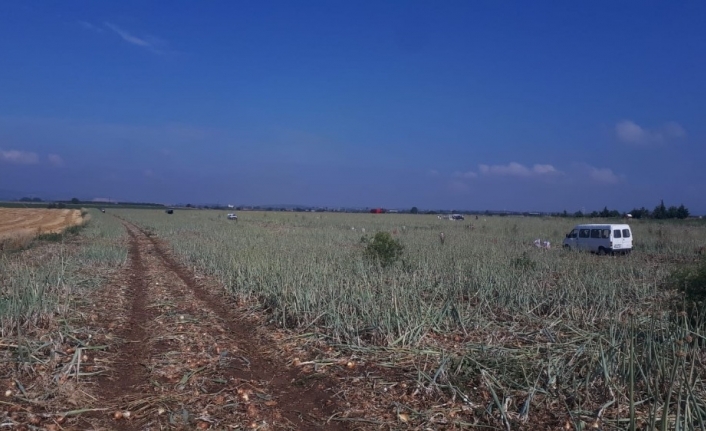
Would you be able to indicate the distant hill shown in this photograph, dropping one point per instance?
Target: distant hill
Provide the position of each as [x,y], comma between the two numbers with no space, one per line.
[12,195]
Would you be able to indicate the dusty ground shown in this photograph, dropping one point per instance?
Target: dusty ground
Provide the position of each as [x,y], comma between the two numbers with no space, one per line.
[33,221]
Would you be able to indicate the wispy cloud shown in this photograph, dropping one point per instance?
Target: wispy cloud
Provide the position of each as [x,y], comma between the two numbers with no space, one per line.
[127,37]
[595,175]
[517,170]
[602,175]
[151,43]
[631,133]
[465,175]
[18,157]
[55,160]
[89,26]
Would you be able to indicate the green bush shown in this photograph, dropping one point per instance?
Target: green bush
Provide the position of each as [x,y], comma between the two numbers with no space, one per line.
[382,248]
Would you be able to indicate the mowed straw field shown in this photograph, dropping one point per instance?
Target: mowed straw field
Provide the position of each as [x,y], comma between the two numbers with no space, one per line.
[21,224]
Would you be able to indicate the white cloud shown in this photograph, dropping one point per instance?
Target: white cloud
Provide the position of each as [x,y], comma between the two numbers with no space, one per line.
[596,175]
[55,160]
[603,175]
[517,170]
[632,133]
[151,43]
[544,169]
[465,175]
[18,157]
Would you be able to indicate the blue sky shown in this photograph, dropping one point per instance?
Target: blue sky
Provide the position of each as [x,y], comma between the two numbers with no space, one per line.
[455,104]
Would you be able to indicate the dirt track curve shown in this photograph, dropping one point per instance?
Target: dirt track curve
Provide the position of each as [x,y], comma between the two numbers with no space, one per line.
[187,360]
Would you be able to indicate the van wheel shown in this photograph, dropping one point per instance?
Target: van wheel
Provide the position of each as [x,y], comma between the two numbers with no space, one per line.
[601,251]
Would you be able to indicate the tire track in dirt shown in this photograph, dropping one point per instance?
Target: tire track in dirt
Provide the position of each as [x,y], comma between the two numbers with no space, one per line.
[304,403]
[188,360]
[130,368]
[129,374]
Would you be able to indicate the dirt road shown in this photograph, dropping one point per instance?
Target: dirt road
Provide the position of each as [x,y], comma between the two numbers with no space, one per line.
[188,360]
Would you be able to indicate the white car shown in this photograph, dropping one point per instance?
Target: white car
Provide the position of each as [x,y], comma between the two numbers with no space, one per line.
[600,238]
[232,216]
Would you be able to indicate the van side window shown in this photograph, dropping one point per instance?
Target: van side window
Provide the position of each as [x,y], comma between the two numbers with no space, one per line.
[626,233]
[584,233]
[605,233]
[616,234]
[595,233]
[574,233]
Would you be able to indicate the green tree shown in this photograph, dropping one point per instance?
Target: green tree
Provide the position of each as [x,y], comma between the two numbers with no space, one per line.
[672,212]
[75,201]
[578,214]
[414,210]
[639,213]
[660,211]
[682,212]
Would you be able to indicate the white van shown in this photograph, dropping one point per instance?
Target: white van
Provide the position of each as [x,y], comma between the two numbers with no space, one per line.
[600,238]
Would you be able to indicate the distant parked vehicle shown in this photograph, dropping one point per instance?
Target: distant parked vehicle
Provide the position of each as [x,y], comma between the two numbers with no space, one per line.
[232,216]
[600,238]
[170,211]
[451,217]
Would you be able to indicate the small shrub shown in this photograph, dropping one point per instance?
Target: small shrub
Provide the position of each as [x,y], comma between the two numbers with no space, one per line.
[382,248]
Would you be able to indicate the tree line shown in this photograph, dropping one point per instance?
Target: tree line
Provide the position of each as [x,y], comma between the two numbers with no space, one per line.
[660,212]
